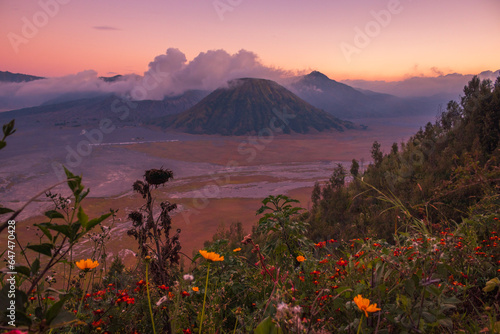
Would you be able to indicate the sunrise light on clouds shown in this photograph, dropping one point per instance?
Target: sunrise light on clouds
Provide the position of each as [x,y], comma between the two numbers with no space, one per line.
[417,38]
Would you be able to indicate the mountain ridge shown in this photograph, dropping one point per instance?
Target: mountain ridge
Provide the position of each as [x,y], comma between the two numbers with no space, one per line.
[6,76]
[344,101]
[249,105]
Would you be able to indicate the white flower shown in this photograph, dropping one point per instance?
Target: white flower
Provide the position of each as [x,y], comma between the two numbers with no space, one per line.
[281,310]
[162,299]
[188,277]
[282,307]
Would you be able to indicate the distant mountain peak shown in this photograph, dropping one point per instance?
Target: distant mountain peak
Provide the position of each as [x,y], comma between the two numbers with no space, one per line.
[250,105]
[344,101]
[317,75]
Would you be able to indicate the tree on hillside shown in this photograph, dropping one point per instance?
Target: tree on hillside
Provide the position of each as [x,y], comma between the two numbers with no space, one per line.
[440,174]
[377,154]
[354,168]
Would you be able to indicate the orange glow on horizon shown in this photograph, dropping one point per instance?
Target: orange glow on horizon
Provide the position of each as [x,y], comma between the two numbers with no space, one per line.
[424,39]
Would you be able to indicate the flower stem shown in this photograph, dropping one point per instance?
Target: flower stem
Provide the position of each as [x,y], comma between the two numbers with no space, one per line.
[360,322]
[235,325]
[83,295]
[204,299]
[81,301]
[149,299]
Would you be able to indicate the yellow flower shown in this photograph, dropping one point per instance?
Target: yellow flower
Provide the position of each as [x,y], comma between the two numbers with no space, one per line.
[87,264]
[300,258]
[365,306]
[195,289]
[211,256]
[236,249]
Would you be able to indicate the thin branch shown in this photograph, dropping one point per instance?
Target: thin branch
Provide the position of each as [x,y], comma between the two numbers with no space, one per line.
[15,214]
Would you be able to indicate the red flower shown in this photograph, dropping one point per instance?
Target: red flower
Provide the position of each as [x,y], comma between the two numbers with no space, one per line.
[320,244]
[163,287]
[185,294]
[342,262]
[186,331]
[97,323]
[358,254]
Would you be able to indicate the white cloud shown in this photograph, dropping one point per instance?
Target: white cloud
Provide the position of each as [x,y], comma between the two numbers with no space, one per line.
[168,74]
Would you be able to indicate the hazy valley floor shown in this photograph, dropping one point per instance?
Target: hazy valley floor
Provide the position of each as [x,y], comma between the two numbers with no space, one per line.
[217,179]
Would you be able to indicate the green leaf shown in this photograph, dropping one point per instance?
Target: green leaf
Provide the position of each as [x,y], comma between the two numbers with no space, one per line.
[428,317]
[64,229]
[442,270]
[35,266]
[22,319]
[45,248]
[83,195]
[2,209]
[452,300]
[54,310]
[59,292]
[45,231]
[96,221]
[74,183]
[53,214]
[436,291]
[491,284]
[8,129]
[82,217]
[409,286]
[2,144]
[23,270]
[39,312]
[267,327]
[74,228]
[63,318]
[446,322]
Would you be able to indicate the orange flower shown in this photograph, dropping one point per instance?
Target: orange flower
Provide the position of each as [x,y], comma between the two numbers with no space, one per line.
[87,264]
[300,258]
[211,256]
[364,305]
[236,250]
[196,289]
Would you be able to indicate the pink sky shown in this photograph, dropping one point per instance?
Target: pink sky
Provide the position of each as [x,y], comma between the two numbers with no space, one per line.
[421,37]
